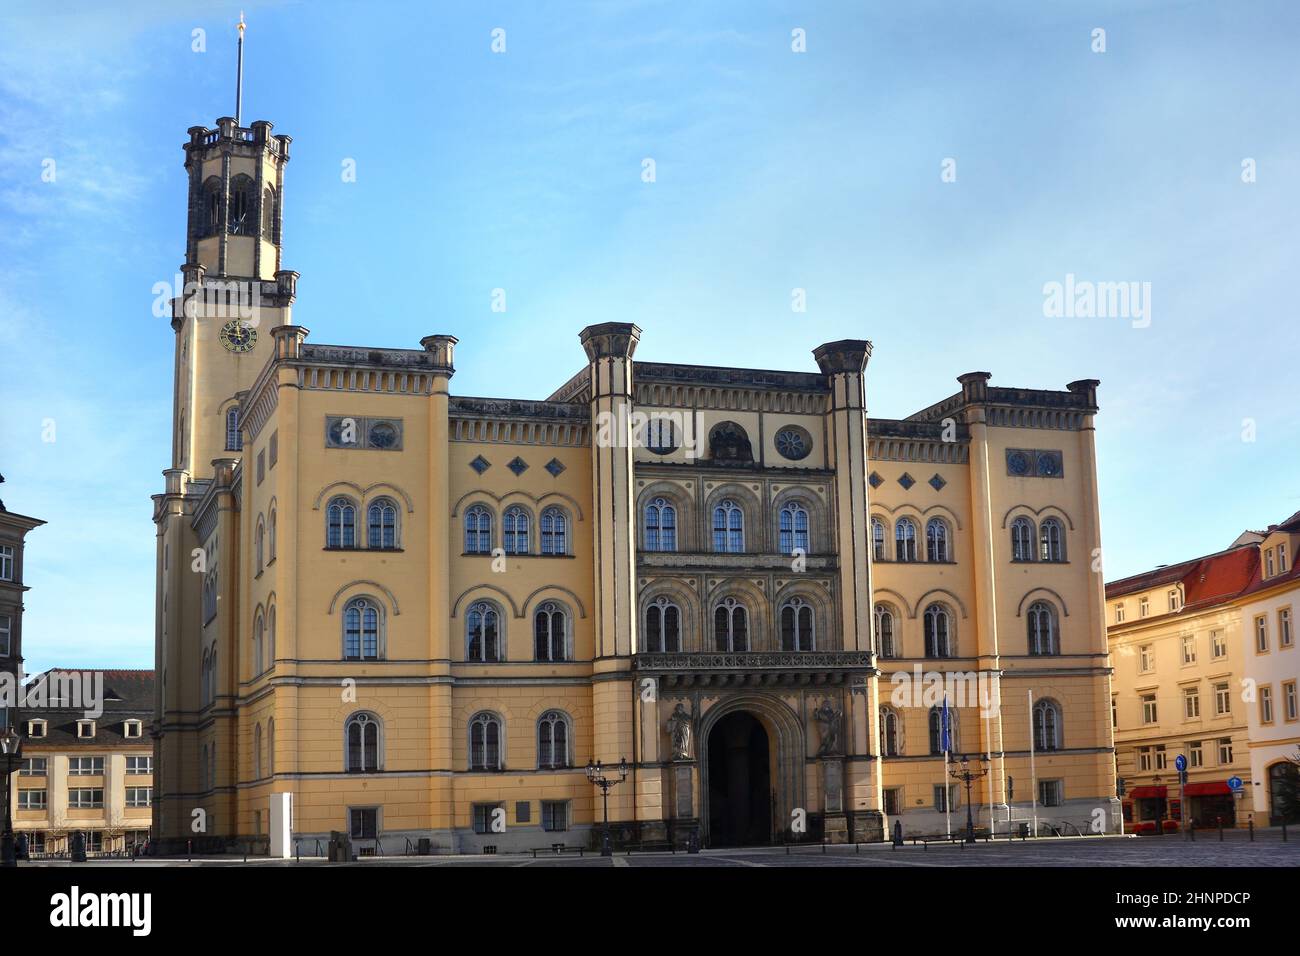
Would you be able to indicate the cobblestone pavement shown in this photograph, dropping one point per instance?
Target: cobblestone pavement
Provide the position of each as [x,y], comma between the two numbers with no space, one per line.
[1236,849]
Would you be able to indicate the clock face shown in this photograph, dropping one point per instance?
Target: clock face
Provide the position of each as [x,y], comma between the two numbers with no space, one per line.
[238,337]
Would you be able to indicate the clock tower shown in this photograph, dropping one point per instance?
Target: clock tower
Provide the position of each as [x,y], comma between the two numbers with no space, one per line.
[234,290]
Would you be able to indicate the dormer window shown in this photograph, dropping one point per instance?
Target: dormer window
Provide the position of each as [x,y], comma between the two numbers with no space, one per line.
[133,729]
[1268,563]
[1144,607]
[86,729]
[36,729]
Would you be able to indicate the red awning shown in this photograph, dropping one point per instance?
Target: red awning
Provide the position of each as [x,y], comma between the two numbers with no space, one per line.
[1142,793]
[1218,789]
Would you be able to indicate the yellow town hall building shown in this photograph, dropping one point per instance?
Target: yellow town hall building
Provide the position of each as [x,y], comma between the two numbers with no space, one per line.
[419,614]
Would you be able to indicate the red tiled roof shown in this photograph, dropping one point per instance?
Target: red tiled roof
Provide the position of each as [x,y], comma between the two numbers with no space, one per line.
[1219,578]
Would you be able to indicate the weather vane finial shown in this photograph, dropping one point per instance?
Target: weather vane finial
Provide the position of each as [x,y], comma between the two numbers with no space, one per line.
[239,79]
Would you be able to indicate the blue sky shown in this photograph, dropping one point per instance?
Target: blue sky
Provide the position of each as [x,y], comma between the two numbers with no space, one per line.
[774,171]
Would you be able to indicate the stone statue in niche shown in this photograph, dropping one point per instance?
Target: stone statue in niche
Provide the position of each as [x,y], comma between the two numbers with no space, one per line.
[679,728]
[829,717]
[729,443]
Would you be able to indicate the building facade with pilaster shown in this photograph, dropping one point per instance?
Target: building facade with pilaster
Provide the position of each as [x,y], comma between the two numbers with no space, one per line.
[422,614]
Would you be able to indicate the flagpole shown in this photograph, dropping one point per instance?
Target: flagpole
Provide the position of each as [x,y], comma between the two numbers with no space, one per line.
[1033,776]
[947,790]
[239,77]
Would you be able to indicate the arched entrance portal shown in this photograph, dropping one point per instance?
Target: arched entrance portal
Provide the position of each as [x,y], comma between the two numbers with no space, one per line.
[740,782]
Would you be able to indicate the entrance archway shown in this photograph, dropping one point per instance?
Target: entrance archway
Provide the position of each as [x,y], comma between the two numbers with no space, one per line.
[740,782]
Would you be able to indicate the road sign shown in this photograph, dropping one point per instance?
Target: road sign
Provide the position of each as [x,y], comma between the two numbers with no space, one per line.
[1180,763]
[1234,783]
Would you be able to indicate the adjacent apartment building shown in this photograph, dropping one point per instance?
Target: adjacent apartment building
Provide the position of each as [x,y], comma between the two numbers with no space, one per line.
[1205,666]
[82,773]
[13,534]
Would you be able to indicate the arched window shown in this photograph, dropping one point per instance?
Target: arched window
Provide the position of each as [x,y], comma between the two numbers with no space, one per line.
[891,733]
[936,540]
[242,217]
[341,524]
[663,627]
[550,633]
[660,526]
[552,740]
[886,642]
[794,528]
[362,743]
[485,742]
[205,773]
[361,630]
[1047,725]
[938,632]
[1041,618]
[268,214]
[210,212]
[728,527]
[258,633]
[205,680]
[1022,540]
[213,679]
[260,545]
[731,626]
[514,528]
[381,524]
[270,637]
[482,624]
[939,741]
[257,751]
[797,626]
[234,441]
[270,537]
[478,530]
[905,540]
[555,531]
[878,539]
[270,747]
[1051,537]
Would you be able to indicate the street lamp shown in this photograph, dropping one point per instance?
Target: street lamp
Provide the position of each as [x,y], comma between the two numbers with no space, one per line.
[964,773]
[596,774]
[11,750]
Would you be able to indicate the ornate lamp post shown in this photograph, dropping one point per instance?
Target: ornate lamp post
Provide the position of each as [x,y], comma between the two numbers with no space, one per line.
[964,773]
[596,774]
[11,752]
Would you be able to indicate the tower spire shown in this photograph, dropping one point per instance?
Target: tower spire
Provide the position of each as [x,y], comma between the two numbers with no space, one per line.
[239,78]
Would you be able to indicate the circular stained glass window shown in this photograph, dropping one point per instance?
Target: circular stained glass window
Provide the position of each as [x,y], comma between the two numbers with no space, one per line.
[1018,463]
[661,436]
[383,435]
[1048,465]
[793,443]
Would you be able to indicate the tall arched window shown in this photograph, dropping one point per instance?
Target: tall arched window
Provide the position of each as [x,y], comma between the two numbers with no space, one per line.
[1051,536]
[485,742]
[482,624]
[797,626]
[210,213]
[270,747]
[731,626]
[205,773]
[905,540]
[260,545]
[878,539]
[381,524]
[550,633]
[514,528]
[552,740]
[1041,619]
[886,641]
[362,731]
[936,540]
[891,739]
[341,524]
[268,214]
[937,736]
[270,537]
[257,751]
[660,526]
[938,632]
[478,530]
[728,527]
[242,218]
[361,630]
[1047,725]
[794,528]
[270,637]
[205,679]
[663,627]
[1022,540]
[259,630]
[234,441]
[555,531]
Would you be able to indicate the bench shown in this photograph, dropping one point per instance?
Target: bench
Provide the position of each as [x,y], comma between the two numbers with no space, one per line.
[558,849]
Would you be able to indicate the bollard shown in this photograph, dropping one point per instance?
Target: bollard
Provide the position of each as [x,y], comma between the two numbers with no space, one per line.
[1252,829]
[1220,829]
[189,851]
[297,851]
